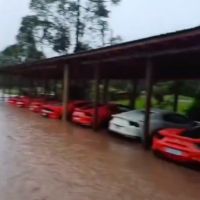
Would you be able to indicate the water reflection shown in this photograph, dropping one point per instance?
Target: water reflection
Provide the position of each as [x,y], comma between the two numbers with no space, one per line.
[42,159]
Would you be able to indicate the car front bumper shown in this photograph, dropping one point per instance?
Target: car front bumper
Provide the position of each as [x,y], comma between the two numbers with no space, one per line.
[127,131]
[85,121]
[183,155]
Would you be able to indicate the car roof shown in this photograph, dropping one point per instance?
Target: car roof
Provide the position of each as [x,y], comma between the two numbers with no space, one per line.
[139,114]
[152,111]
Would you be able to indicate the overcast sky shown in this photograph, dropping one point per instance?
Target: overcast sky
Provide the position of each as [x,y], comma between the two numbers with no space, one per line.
[132,19]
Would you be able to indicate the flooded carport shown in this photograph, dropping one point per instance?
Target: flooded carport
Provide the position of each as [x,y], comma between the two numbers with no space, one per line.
[42,159]
[48,160]
[172,56]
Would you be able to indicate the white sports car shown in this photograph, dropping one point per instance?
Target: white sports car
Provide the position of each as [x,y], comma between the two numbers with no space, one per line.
[131,124]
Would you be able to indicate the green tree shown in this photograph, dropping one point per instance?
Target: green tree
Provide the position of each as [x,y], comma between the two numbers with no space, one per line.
[194,110]
[10,55]
[25,48]
[27,40]
[71,24]
[115,40]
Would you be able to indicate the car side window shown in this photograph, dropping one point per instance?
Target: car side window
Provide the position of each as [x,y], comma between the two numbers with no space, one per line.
[176,118]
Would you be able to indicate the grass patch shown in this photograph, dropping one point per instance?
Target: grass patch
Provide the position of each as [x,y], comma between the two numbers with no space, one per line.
[183,104]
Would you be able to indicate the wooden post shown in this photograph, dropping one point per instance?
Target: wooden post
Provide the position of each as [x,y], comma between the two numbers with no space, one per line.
[55,87]
[176,95]
[96,96]
[45,86]
[105,90]
[65,91]
[149,89]
[1,88]
[5,87]
[32,87]
[10,86]
[19,81]
[3,91]
[133,94]
[36,88]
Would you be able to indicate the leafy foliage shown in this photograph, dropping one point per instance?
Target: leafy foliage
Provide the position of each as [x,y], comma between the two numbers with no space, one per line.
[194,110]
[61,25]
[67,24]
[10,55]
[25,49]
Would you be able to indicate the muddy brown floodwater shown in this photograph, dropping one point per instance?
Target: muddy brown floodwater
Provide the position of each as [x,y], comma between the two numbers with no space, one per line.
[41,159]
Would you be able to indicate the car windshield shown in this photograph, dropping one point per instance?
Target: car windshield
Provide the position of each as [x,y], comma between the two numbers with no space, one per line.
[176,118]
[192,133]
[143,112]
[123,108]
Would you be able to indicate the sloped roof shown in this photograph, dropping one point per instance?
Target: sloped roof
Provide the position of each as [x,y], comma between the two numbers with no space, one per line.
[126,60]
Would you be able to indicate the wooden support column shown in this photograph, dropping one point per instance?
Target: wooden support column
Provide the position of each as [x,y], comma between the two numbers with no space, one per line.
[10,86]
[36,88]
[96,96]
[149,90]
[31,87]
[105,90]
[3,91]
[1,87]
[133,94]
[176,95]
[65,91]
[55,87]
[19,81]
[45,86]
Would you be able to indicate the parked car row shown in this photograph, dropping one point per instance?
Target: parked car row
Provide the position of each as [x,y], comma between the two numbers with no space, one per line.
[173,135]
[78,111]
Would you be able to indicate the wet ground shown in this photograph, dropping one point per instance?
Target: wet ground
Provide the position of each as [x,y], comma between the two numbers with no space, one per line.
[41,159]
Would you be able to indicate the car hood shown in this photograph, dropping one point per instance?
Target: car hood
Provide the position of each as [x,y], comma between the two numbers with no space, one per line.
[52,107]
[23,100]
[89,110]
[37,103]
[172,131]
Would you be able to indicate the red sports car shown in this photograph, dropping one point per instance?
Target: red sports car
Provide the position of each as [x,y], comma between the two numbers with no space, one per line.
[23,102]
[85,115]
[37,104]
[55,110]
[13,100]
[182,145]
